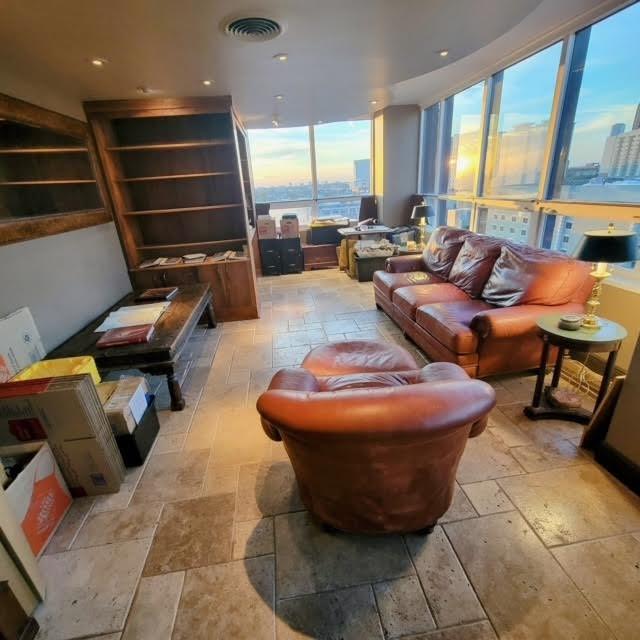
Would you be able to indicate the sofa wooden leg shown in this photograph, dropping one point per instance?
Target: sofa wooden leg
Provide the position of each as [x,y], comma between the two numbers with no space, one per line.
[426,531]
[379,307]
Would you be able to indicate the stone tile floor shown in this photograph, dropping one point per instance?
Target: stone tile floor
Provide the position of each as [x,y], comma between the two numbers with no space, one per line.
[211,540]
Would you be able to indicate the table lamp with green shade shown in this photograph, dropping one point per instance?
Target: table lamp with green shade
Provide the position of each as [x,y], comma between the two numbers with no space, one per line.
[420,214]
[603,247]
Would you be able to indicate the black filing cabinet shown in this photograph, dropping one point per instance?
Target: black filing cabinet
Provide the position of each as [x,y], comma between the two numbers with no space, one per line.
[270,257]
[291,255]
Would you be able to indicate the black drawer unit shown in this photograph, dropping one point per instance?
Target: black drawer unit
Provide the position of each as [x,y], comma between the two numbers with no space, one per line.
[291,255]
[270,257]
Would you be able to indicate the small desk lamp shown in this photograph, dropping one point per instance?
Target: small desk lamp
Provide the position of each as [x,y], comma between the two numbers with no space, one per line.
[603,247]
[420,214]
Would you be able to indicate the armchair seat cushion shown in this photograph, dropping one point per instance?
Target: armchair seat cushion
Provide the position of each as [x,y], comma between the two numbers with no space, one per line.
[408,299]
[357,356]
[387,283]
[450,323]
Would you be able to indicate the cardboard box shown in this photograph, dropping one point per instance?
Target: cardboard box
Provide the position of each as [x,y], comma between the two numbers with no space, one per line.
[38,496]
[266,226]
[126,404]
[66,411]
[20,343]
[289,227]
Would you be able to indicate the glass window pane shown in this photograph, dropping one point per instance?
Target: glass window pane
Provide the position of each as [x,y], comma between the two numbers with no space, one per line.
[281,163]
[304,213]
[517,226]
[458,214]
[429,148]
[439,213]
[462,145]
[349,208]
[343,158]
[599,151]
[519,121]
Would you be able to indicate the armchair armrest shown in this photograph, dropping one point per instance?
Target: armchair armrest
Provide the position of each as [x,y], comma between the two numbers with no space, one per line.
[510,322]
[389,413]
[405,264]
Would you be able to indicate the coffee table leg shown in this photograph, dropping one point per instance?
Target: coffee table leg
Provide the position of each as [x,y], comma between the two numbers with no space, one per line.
[542,371]
[177,400]
[211,316]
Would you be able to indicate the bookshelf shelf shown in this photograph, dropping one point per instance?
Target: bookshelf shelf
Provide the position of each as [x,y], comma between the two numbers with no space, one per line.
[177,174]
[212,208]
[35,150]
[37,183]
[173,146]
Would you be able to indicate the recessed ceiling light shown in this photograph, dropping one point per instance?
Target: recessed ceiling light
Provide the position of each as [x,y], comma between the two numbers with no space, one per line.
[279,97]
[98,62]
[282,57]
[207,83]
[443,53]
[373,102]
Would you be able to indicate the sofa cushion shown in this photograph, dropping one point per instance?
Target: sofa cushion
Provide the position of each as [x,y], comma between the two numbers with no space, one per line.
[387,283]
[449,323]
[474,263]
[442,250]
[408,299]
[524,275]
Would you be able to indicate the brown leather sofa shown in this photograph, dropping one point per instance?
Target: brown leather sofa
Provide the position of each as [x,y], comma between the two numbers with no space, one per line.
[376,452]
[474,300]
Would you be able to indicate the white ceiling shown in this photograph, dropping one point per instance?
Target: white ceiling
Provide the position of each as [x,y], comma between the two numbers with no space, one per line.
[342,53]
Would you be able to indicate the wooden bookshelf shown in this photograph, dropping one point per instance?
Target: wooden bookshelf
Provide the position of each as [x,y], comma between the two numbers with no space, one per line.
[176,170]
[48,180]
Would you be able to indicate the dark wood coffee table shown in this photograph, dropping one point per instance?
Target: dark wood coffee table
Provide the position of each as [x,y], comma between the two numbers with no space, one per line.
[160,354]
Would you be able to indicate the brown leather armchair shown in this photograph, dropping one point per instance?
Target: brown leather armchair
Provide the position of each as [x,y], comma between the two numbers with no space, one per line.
[376,452]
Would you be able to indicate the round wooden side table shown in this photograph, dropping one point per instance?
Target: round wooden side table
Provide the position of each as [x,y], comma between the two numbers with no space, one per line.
[606,339]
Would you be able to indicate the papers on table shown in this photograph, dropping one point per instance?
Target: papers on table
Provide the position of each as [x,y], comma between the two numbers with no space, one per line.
[134,316]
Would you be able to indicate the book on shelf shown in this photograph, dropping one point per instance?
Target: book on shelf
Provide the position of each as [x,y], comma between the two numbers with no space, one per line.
[194,258]
[158,293]
[126,335]
[160,262]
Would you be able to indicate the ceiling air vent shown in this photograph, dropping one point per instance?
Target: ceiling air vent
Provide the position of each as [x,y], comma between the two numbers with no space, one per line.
[253,28]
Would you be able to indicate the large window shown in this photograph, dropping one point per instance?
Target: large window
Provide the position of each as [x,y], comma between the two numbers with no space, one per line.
[518,126]
[282,169]
[599,151]
[281,163]
[462,141]
[343,158]
[552,152]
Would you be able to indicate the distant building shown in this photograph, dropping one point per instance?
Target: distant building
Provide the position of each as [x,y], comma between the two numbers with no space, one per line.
[621,155]
[636,120]
[618,128]
[362,175]
[581,174]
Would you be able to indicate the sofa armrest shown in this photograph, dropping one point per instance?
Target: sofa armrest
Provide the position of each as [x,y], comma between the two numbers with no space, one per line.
[295,379]
[511,322]
[387,413]
[405,264]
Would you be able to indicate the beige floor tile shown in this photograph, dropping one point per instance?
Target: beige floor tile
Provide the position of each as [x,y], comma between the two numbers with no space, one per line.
[348,614]
[253,538]
[132,523]
[192,533]
[487,497]
[179,421]
[121,499]
[240,438]
[220,480]
[606,571]
[486,458]
[89,591]
[172,476]
[460,508]
[154,608]
[310,559]
[550,455]
[573,504]
[225,601]
[110,636]
[510,433]
[444,581]
[523,589]
[403,607]
[216,397]
[169,444]
[253,356]
[69,527]
[289,356]
[266,490]
[541,430]
[475,631]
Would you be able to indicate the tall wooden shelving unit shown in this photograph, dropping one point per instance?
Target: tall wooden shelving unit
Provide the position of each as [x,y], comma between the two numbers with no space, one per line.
[178,174]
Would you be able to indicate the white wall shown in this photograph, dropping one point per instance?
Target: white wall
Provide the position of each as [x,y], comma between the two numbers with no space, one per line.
[66,279]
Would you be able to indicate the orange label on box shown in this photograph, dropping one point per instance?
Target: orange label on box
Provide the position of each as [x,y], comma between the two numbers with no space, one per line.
[49,502]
